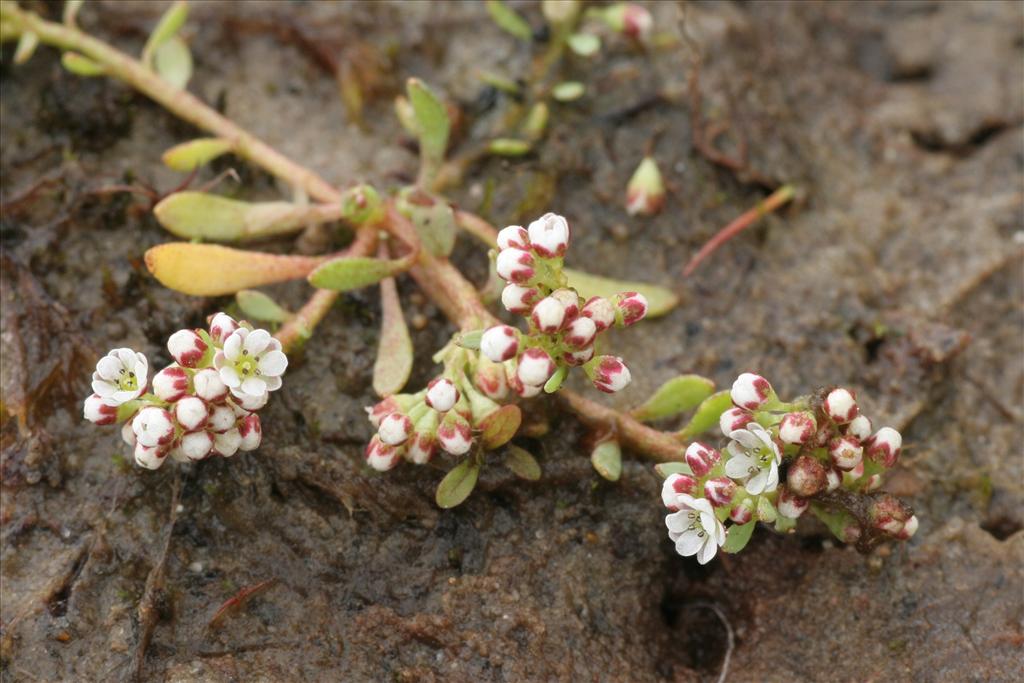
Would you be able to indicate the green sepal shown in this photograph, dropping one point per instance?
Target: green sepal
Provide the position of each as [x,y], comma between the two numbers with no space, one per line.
[555,381]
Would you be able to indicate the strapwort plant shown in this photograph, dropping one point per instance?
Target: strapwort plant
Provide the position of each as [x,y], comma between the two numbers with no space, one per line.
[815,453]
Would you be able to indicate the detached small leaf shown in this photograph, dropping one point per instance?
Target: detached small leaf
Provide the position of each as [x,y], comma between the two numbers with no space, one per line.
[607,460]
[500,426]
[173,62]
[707,415]
[168,26]
[509,20]
[212,270]
[187,156]
[738,536]
[457,484]
[432,126]
[522,463]
[198,215]
[393,366]
[666,469]
[675,396]
[258,306]
[354,272]
[81,66]
[659,300]
[568,91]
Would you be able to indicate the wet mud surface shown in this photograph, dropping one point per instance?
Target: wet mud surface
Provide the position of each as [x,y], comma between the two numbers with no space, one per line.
[898,273]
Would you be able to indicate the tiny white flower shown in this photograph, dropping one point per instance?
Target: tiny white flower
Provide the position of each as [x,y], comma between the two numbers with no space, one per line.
[754,459]
[251,362]
[153,427]
[121,376]
[695,529]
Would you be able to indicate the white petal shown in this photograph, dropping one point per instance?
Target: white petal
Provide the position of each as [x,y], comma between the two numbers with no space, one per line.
[233,344]
[274,345]
[755,486]
[102,387]
[746,437]
[120,397]
[738,466]
[256,342]
[677,522]
[127,358]
[703,506]
[229,376]
[773,479]
[736,449]
[708,521]
[689,543]
[707,552]
[273,383]
[109,367]
[273,363]
[141,367]
[254,386]
[719,534]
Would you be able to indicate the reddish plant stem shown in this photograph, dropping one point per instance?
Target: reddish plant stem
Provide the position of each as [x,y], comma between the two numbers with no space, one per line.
[477,227]
[766,206]
[655,444]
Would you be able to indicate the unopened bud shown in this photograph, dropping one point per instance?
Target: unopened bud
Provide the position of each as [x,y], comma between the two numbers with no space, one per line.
[719,491]
[790,505]
[884,446]
[840,405]
[196,445]
[153,427]
[221,327]
[701,458]
[833,478]
[490,378]
[750,391]
[381,456]
[580,333]
[859,427]
[513,237]
[150,457]
[601,311]
[631,307]
[909,529]
[549,235]
[395,429]
[608,373]
[743,512]
[889,514]
[733,419]
[515,265]
[797,428]
[221,419]
[645,193]
[570,301]
[186,348]
[191,413]
[99,410]
[674,485]
[518,299]
[251,432]
[500,343]
[535,367]
[548,315]
[579,357]
[208,385]
[806,476]
[454,434]
[846,452]
[441,394]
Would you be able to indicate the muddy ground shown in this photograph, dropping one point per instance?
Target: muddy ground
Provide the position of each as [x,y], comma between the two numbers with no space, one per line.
[899,273]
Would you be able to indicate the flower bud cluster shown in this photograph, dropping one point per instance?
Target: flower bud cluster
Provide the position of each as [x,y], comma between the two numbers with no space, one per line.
[562,327]
[201,405]
[779,457]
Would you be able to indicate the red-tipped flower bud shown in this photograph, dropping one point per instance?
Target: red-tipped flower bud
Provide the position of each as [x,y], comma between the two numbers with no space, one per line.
[513,237]
[884,446]
[209,386]
[609,374]
[171,383]
[719,491]
[575,358]
[153,427]
[441,394]
[889,514]
[549,235]
[454,434]
[251,432]
[191,413]
[673,486]
[701,458]
[515,265]
[570,301]
[518,299]
[548,315]
[733,419]
[806,476]
[196,445]
[840,405]
[395,429]
[99,410]
[790,505]
[645,193]
[846,452]
[601,311]
[186,348]
[150,457]
[381,456]
[535,367]
[859,428]
[490,378]
[221,327]
[500,343]
[797,428]
[750,391]
[580,333]
[743,512]
[631,307]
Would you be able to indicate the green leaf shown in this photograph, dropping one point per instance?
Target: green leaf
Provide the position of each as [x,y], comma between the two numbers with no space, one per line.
[666,469]
[168,26]
[659,300]
[27,44]
[173,62]
[198,215]
[509,20]
[508,147]
[187,156]
[707,415]
[433,218]
[568,91]
[213,270]
[738,536]
[499,82]
[607,460]
[258,306]
[500,426]
[675,396]
[81,66]
[354,272]
[127,409]
[584,44]
[432,126]
[522,464]
[556,379]
[457,484]
[394,350]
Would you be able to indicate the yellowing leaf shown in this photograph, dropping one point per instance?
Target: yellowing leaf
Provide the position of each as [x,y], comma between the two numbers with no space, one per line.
[189,155]
[212,270]
[659,300]
[205,216]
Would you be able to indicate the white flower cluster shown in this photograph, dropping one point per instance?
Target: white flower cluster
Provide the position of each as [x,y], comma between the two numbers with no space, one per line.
[201,405]
[562,327]
[825,442]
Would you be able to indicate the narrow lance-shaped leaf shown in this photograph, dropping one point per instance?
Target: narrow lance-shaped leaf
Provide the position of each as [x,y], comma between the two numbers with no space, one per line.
[432,126]
[394,351]
[522,463]
[738,536]
[258,306]
[211,217]
[212,270]
[509,20]
[457,484]
[354,272]
[659,300]
[81,66]
[707,415]
[607,460]
[173,62]
[168,26]
[187,156]
[675,396]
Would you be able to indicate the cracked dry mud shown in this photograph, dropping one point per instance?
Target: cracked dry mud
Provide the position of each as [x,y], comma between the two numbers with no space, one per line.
[900,122]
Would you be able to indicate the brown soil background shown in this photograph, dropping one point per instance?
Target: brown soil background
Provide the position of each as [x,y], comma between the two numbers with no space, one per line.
[901,122]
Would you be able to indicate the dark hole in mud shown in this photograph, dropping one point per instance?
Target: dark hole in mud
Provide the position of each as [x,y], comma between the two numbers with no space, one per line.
[700,639]
[1002,527]
[57,605]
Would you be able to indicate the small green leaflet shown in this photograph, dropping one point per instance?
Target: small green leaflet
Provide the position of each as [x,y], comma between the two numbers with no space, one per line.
[457,484]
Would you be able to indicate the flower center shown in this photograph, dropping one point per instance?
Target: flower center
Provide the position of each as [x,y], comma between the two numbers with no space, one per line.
[247,366]
[126,381]
[695,524]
